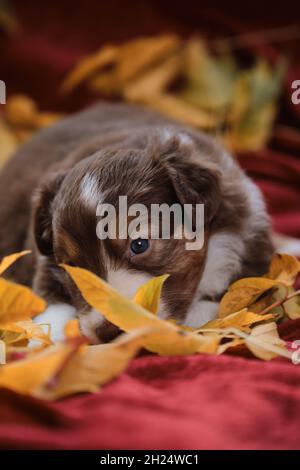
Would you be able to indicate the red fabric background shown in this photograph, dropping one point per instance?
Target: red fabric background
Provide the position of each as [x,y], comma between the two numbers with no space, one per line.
[197,402]
[201,402]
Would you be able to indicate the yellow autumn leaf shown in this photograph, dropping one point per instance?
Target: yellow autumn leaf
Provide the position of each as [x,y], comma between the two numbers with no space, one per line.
[209,80]
[14,333]
[69,368]
[93,366]
[11,333]
[34,331]
[18,302]
[153,82]
[87,67]
[140,54]
[261,86]
[242,319]
[284,268]
[27,375]
[290,307]
[71,329]
[166,339]
[178,109]
[243,293]
[22,114]
[148,295]
[230,344]
[7,261]
[20,110]
[264,342]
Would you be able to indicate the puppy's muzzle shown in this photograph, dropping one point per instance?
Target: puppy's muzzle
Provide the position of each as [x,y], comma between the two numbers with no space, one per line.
[107,332]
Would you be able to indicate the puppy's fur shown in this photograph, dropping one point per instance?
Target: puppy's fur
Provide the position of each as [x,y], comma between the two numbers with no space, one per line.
[50,189]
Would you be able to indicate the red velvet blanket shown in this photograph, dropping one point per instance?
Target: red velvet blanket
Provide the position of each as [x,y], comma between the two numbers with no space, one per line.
[197,402]
[200,402]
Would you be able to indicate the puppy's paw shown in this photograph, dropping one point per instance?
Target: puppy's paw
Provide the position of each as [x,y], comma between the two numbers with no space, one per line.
[57,316]
[200,313]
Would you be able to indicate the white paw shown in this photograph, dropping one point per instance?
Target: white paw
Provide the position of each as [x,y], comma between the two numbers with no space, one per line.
[57,315]
[200,313]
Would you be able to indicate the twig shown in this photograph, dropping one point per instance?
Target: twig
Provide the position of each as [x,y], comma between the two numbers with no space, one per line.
[266,346]
[280,301]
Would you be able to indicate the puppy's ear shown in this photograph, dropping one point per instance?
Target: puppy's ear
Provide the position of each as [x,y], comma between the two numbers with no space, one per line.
[42,213]
[194,184]
[195,180]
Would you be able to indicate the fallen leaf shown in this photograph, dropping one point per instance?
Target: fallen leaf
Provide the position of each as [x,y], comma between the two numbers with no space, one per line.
[178,109]
[93,366]
[20,110]
[235,342]
[137,54]
[148,295]
[263,85]
[7,261]
[210,80]
[87,67]
[21,333]
[12,333]
[284,268]
[18,302]
[154,81]
[264,342]
[22,117]
[34,331]
[166,339]
[242,319]
[106,84]
[27,375]
[290,307]
[72,329]
[243,293]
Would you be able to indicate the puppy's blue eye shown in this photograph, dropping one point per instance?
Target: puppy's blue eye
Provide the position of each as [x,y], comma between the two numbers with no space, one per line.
[138,246]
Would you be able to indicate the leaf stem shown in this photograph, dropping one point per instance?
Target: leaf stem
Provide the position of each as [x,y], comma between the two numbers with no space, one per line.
[280,301]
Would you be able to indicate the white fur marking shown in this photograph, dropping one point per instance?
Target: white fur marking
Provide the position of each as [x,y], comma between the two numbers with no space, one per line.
[185,139]
[127,282]
[168,133]
[124,282]
[90,190]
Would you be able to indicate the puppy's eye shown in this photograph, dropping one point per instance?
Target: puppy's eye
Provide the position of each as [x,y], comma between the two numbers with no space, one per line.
[140,245]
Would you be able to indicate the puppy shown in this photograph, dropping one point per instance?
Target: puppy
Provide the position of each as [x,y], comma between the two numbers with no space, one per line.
[50,190]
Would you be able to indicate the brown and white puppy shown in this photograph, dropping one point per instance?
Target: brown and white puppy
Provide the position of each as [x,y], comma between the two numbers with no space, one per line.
[50,189]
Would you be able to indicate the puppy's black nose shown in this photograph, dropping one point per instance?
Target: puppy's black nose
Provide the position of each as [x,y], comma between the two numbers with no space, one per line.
[106,332]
